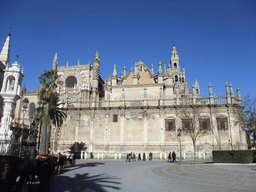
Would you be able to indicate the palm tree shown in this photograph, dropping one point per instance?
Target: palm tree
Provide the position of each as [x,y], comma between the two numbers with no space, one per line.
[49,112]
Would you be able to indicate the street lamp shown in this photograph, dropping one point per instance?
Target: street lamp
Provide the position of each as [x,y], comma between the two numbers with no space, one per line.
[24,110]
[33,119]
[179,135]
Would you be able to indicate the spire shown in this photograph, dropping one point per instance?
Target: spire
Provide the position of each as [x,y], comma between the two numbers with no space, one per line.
[114,73]
[196,83]
[186,87]
[67,64]
[231,90]
[24,90]
[109,77]
[193,89]
[124,72]
[165,71]
[210,93]
[136,71]
[89,62]
[210,90]
[228,94]
[160,69]
[96,68]
[238,93]
[78,63]
[174,53]
[152,74]
[175,61]
[227,90]
[97,56]
[55,62]
[5,53]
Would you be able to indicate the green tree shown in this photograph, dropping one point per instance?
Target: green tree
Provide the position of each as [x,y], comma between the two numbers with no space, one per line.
[49,112]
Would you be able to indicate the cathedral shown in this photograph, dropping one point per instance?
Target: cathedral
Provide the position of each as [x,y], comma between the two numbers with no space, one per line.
[140,111]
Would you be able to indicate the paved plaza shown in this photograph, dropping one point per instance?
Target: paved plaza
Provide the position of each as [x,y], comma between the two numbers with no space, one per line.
[156,175]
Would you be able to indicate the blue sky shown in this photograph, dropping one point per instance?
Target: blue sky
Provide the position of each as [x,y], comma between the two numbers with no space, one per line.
[215,40]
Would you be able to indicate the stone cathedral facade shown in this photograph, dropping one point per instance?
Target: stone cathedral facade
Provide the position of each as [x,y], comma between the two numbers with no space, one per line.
[141,111]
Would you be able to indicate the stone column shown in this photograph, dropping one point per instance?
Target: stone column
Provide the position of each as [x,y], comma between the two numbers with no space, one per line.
[230,128]
[91,132]
[122,129]
[106,138]
[145,130]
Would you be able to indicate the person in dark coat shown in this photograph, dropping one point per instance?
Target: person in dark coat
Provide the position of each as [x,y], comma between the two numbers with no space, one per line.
[150,156]
[174,156]
[170,157]
[139,158]
[127,157]
[133,157]
[144,157]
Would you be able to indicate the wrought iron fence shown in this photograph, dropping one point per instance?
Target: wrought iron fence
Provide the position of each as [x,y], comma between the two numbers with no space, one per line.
[24,149]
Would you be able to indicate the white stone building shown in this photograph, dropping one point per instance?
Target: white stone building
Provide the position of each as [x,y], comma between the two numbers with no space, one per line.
[10,83]
[141,111]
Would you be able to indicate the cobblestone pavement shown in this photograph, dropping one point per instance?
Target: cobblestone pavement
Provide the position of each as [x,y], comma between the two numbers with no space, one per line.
[156,175]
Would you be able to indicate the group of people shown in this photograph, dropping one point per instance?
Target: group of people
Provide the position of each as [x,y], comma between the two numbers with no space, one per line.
[172,157]
[132,156]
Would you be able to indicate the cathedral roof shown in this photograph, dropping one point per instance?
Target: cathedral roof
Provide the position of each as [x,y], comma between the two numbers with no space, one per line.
[144,78]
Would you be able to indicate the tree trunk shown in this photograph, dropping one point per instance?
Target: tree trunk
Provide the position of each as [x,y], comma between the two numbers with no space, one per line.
[194,144]
[43,149]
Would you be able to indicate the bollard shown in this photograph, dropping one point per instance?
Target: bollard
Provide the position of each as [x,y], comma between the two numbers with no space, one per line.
[199,155]
[184,155]
[204,154]
[120,156]
[101,156]
[98,155]
[85,155]
[82,157]
[165,156]
[115,156]
[161,155]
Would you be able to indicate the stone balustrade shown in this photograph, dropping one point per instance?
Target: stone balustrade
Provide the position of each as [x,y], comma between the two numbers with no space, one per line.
[146,102]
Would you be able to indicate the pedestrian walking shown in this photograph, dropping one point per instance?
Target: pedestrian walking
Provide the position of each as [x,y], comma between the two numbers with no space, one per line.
[144,157]
[174,156]
[127,157]
[139,158]
[150,156]
[170,157]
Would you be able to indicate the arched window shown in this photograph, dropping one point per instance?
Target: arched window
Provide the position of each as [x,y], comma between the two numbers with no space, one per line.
[71,82]
[182,79]
[10,83]
[196,91]
[32,108]
[175,65]
[176,78]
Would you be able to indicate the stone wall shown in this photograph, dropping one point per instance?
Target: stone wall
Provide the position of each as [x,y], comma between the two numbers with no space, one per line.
[143,130]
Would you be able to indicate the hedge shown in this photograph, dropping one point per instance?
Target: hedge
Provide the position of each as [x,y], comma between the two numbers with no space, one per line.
[234,156]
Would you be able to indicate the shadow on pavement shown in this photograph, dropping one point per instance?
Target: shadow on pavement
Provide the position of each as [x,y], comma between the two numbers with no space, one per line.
[83,182]
[80,165]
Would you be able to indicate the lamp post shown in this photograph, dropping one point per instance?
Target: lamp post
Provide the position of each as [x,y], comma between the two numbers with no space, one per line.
[24,110]
[179,135]
[33,119]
